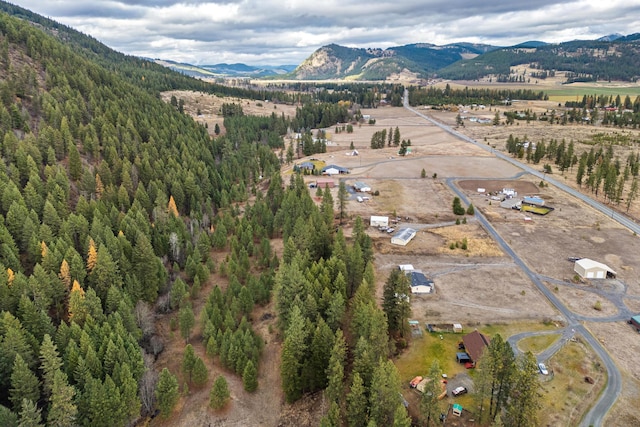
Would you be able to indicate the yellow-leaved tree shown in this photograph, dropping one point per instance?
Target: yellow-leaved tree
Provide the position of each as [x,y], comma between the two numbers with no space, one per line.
[92,255]
[172,208]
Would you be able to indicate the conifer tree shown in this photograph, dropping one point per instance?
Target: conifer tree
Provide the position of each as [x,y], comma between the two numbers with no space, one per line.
[92,255]
[167,392]
[200,374]
[219,394]
[293,351]
[357,403]
[65,274]
[62,409]
[335,370]
[24,384]
[188,361]
[30,415]
[250,377]
[187,321]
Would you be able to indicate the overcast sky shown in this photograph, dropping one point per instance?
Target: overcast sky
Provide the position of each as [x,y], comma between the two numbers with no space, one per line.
[277,32]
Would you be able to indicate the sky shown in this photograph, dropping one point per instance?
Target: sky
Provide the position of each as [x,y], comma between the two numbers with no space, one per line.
[279,32]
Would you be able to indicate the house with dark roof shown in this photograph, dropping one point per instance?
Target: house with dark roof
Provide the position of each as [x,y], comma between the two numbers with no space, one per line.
[474,344]
[421,284]
[306,166]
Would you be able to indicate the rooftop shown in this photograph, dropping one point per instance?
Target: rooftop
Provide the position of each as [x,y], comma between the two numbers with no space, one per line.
[474,344]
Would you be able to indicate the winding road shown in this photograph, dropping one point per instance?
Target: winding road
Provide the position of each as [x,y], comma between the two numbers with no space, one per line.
[609,395]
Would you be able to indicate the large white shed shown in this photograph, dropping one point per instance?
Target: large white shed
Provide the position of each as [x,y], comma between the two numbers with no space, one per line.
[403,236]
[590,269]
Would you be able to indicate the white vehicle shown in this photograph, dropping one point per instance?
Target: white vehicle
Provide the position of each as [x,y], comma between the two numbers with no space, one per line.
[543,369]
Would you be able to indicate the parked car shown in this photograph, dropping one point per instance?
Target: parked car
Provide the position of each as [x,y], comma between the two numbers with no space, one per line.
[459,391]
[414,382]
[543,369]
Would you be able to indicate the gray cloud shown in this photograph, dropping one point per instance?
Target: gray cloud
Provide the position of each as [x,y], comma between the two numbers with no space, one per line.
[288,31]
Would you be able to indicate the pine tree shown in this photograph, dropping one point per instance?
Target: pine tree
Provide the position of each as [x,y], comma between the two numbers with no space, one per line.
[335,370]
[167,392]
[187,321]
[524,402]
[30,415]
[385,393]
[200,374]
[400,417]
[250,377]
[50,363]
[24,384]
[357,403]
[293,351]
[429,400]
[75,165]
[396,303]
[188,362]
[219,394]
[62,409]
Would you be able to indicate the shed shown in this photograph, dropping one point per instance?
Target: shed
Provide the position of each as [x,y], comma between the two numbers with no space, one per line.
[462,357]
[635,321]
[403,236]
[379,221]
[590,269]
[457,328]
[456,409]
[474,343]
[361,187]
[420,284]
[406,268]
[325,183]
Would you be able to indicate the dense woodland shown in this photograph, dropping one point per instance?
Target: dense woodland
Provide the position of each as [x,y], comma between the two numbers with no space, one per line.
[435,96]
[585,60]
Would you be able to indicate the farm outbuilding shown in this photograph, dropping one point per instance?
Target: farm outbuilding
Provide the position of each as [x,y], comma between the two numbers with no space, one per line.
[635,321]
[590,269]
[403,236]
[325,183]
[379,221]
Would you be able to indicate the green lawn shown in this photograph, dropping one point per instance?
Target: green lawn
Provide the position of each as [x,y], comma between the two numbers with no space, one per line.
[537,344]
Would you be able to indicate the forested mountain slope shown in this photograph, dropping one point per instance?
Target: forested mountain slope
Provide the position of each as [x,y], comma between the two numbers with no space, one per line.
[108,196]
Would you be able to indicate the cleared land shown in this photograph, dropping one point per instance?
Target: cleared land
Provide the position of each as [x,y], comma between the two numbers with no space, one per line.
[480,286]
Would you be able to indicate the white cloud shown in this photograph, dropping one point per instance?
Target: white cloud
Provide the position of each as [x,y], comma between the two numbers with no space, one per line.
[288,31]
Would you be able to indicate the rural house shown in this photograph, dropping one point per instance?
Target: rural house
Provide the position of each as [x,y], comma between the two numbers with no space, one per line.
[474,344]
[420,284]
[379,221]
[403,236]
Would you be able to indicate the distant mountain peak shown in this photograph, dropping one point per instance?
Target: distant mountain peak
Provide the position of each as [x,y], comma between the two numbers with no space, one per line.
[610,37]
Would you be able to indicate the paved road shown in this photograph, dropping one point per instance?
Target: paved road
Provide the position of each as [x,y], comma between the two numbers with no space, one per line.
[613,387]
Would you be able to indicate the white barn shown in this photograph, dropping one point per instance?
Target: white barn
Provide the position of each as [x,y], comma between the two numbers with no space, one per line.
[379,221]
[403,236]
[590,269]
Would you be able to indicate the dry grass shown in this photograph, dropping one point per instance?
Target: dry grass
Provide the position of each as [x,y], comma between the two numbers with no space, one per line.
[538,343]
[478,242]
[565,393]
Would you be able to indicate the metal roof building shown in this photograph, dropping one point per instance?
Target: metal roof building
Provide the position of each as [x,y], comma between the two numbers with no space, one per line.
[590,269]
[403,236]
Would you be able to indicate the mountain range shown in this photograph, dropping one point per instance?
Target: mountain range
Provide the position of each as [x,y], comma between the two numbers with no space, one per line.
[612,57]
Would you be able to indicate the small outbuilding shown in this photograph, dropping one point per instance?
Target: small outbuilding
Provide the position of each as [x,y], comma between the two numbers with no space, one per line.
[406,268]
[379,221]
[403,236]
[457,328]
[590,269]
[635,322]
